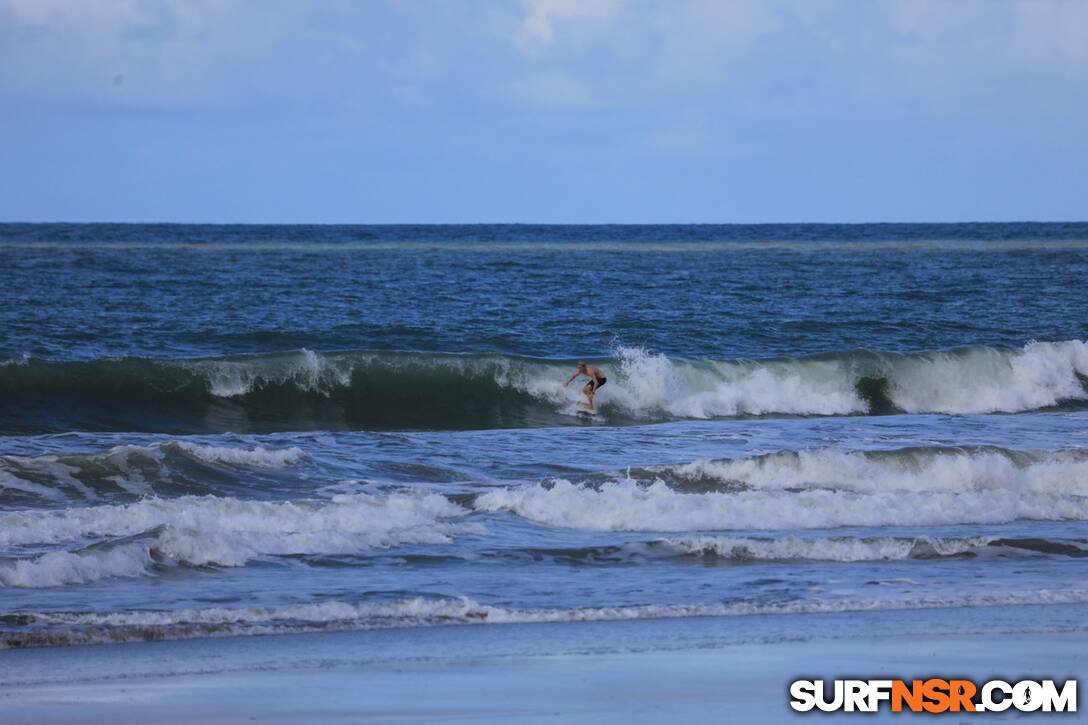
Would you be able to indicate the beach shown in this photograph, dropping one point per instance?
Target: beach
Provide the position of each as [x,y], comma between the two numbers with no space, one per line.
[641,671]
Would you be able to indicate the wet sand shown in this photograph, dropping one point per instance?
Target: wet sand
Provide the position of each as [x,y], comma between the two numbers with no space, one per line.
[640,671]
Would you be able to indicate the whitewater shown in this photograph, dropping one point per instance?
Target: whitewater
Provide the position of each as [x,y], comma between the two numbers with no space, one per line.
[374,391]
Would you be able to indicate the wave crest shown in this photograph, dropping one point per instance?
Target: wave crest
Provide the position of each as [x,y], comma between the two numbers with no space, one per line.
[308,390]
[216,531]
[632,506]
[912,469]
[854,549]
[68,628]
[171,468]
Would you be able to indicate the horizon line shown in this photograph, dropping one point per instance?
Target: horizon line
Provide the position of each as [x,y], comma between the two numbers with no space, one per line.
[535,223]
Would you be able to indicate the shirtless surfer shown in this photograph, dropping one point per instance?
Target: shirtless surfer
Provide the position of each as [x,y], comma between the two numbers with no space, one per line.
[596,380]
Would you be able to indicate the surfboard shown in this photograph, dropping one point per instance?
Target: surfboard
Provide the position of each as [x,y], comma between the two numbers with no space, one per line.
[585,408]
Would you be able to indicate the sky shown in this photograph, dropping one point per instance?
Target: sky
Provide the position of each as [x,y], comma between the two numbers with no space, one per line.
[563,111]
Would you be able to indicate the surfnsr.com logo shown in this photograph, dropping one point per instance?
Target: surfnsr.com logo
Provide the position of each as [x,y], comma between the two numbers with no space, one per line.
[933,695]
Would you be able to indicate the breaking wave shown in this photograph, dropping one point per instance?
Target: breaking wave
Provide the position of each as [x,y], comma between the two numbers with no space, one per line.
[818,489]
[126,472]
[938,469]
[842,549]
[852,549]
[69,628]
[631,506]
[357,390]
[165,547]
[141,538]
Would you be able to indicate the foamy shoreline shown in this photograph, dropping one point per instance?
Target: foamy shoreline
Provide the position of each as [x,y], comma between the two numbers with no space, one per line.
[639,671]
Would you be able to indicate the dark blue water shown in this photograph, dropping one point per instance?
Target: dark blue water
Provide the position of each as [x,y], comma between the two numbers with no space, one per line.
[233,429]
[83,292]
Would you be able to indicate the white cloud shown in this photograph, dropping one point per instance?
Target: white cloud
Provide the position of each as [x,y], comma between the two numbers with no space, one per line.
[544,18]
[168,53]
[559,54]
[699,38]
[976,36]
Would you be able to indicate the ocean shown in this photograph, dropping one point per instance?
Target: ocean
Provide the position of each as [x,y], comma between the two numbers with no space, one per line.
[215,431]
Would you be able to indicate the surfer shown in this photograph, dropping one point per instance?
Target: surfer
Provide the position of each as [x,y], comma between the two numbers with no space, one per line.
[596,380]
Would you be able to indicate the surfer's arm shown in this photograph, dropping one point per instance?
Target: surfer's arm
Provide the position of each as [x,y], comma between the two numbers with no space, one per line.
[572,377]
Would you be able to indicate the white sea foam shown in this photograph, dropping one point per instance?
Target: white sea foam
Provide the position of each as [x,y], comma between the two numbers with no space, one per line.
[170,546]
[257,457]
[643,384]
[631,506]
[417,611]
[11,482]
[840,548]
[985,380]
[306,369]
[948,470]
[129,468]
[58,568]
[221,531]
[648,385]
[978,380]
[56,476]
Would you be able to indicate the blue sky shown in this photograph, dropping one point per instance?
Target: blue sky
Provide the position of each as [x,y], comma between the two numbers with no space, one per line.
[543,110]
